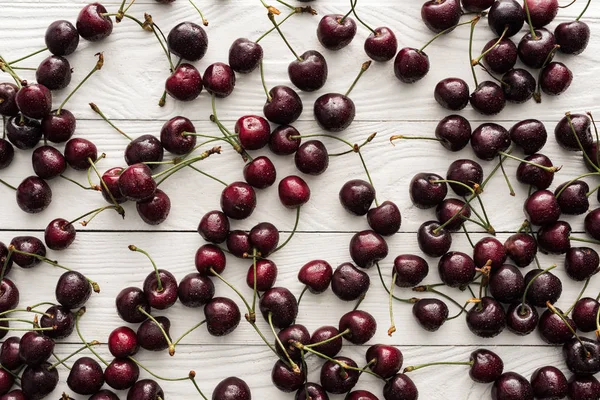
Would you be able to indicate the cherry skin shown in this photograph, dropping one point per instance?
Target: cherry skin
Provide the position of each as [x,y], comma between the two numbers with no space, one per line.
[79,152]
[128,303]
[293,191]
[172,138]
[136,182]
[411,65]
[583,387]
[61,319]
[282,142]
[336,382]
[188,41]
[541,208]
[123,342]
[289,336]
[332,347]
[488,140]
[111,179]
[361,395]
[312,158]
[210,257]
[357,196]
[360,324]
[533,175]
[387,360]
[367,248]
[150,335]
[121,374]
[501,58]
[534,52]
[160,299]
[385,219]
[554,238]
[476,5]
[238,243]
[440,15]
[231,388]
[430,313]
[281,304]
[573,37]
[6,264]
[283,105]
[447,209]
[511,385]
[425,192]
[33,195]
[468,172]
[222,316]
[54,72]
[35,349]
[260,173]
[28,244]
[581,263]
[214,227]
[487,366]
[573,198]
[382,44]
[92,25]
[505,13]
[486,319]
[553,329]
[245,55]
[334,33]
[9,297]
[155,209]
[145,389]
[185,83]
[349,283]
[488,98]
[309,73]
[452,93]
[582,359]
[34,101]
[311,390]
[507,284]
[7,153]
[521,319]
[520,85]
[433,244]
[38,381]
[219,79]
[549,382]
[253,132]
[410,270]
[555,79]
[8,106]
[48,162]
[334,112]
[542,12]
[529,134]
[238,200]
[9,353]
[23,134]
[61,38]
[489,249]
[454,132]
[400,386]
[456,269]
[73,290]
[195,290]
[316,275]
[6,381]
[146,148]
[266,275]
[546,288]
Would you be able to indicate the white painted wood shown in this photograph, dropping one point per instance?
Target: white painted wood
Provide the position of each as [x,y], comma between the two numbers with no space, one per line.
[127,90]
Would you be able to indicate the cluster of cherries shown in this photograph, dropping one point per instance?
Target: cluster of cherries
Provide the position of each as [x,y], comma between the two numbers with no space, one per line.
[28,108]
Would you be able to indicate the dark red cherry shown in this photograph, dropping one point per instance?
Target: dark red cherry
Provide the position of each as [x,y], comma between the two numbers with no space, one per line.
[35,348]
[7,153]
[188,41]
[533,175]
[316,275]
[456,269]
[289,336]
[385,360]
[309,73]
[519,85]
[487,366]
[92,25]
[506,13]
[231,388]
[411,65]
[48,162]
[238,243]
[283,105]
[502,58]
[8,106]
[425,192]
[452,93]
[172,138]
[155,209]
[486,319]
[245,55]
[33,195]
[281,304]
[545,288]
[238,200]
[160,299]
[121,374]
[410,270]
[541,208]
[312,157]
[361,326]
[219,79]
[61,38]
[349,283]
[23,133]
[195,290]
[400,387]
[145,148]
[488,98]
[266,275]
[73,290]
[136,182]
[572,198]
[488,140]
[54,72]
[529,134]
[582,357]
[573,37]
[334,33]
[293,191]
[592,224]
[468,172]
[214,227]
[281,141]
[184,84]
[447,209]
[61,319]
[382,44]
[9,295]
[9,353]
[454,132]
[554,238]
[385,219]
[311,390]
[367,248]
[583,387]
[111,179]
[553,329]
[535,52]
[584,314]
[34,101]
[581,263]
[555,79]
[489,249]
[222,316]
[439,15]
[322,334]
[564,134]
[357,196]
[549,383]
[285,379]
[430,313]
[507,284]
[210,257]
[361,395]
[150,335]
[38,381]
[128,302]
[28,244]
[253,132]
[433,244]
[123,342]
[542,12]
[511,385]
[145,389]
[79,152]
[334,112]
[336,380]
[476,5]
[4,263]
[521,318]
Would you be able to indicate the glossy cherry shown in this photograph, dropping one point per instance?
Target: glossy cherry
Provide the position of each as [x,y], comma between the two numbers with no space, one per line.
[54,72]
[245,55]
[23,133]
[312,157]
[92,25]
[349,283]
[293,191]
[266,275]
[79,152]
[332,347]
[486,319]
[456,269]
[385,219]
[337,381]
[549,382]
[430,313]
[316,275]
[541,208]
[123,342]
[188,41]
[360,324]
[454,132]
[502,58]
[506,13]
[128,303]
[335,31]
[185,83]
[281,304]
[452,93]
[219,79]
[214,227]
[439,15]
[253,132]
[61,38]
[309,72]
[519,85]
[425,192]
[145,148]
[511,385]
[282,141]
[195,290]
[222,316]
[238,200]
[33,195]
[283,105]
[432,243]
[465,171]
[411,65]
[357,196]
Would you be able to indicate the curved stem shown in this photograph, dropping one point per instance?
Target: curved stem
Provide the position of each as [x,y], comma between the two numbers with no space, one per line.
[362,160]
[97,110]
[199,324]
[160,327]
[496,44]
[159,285]
[353,7]
[577,239]
[77,183]
[264,84]
[170,171]
[232,288]
[547,169]
[261,37]
[564,320]
[566,185]
[118,207]
[523,299]
[302,294]
[292,233]
[7,185]
[584,10]
[204,20]
[254,288]
[464,308]
[533,35]
[208,175]
[5,66]
[340,363]
[585,285]
[408,137]
[61,361]
[292,364]
[331,339]
[446,31]
[5,265]
[231,138]
[473,23]
[585,155]
[510,188]
[77,317]
[272,19]
[27,56]
[410,301]
[416,367]
[97,67]
[363,68]
[154,375]
[96,212]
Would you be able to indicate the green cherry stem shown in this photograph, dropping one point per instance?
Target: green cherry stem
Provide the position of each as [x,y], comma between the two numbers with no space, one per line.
[97,110]
[331,339]
[79,184]
[430,289]
[276,26]
[273,28]
[155,375]
[464,228]
[537,95]
[118,207]
[215,273]
[61,361]
[199,324]
[230,137]
[477,60]
[340,363]
[164,333]
[159,285]
[97,67]
[208,175]
[531,28]
[292,364]
[584,10]
[164,175]
[392,328]
[524,298]
[281,246]
[573,180]
[353,8]
[285,4]
[446,31]
[473,23]
[96,212]
[304,290]
[204,20]
[264,83]
[510,188]
[5,66]
[597,136]
[416,367]
[409,301]
[464,308]
[585,155]
[409,137]
[568,5]
[363,68]
[28,56]
[564,320]
[254,288]
[585,285]
[192,377]
[547,169]
[578,239]
[77,318]
[7,184]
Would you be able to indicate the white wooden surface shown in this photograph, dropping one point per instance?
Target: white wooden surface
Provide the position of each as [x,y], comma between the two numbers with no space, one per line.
[127,90]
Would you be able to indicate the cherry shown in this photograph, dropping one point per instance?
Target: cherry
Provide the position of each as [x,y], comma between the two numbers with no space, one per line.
[155,209]
[361,326]
[283,105]
[447,209]
[410,270]
[488,98]
[136,182]
[312,157]
[54,72]
[308,72]
[547,287]
[452,93]
[260,173]
[195,290]
[79,152]
[489,249]
[60,319]
[111,179]
[425,192]
[357,196]
[476,5]
[553,329]
[456,269]
[349,283]
[222,316]
[336,31]
[488,140]
[38,381]
[324,333]
[501,58]
[573,198]
[145,389]
[245,55]
[231,388]
[381,44]
[123,342]
[281,305]
[8,106]
[521,318]
[367,248]
[519,85]
[121,374]
[583,387]
[454,132]
[285,379]
[529,134]
[554,238]
[9,295]
[48,162]
[385,360]
[289,336]
[385,219]
[468,172]
[7,153]
[172,138]
[6,381]
[219,79]
[73,290]
[146,148]
[507,284]
[592,223]
[35,349]
[9,353]
[487,366]
[511,385]
[549,382]
[573,37]
[253,132]
[266,275]
[188,41]
[533,175]
[151,337]
[584,314]
[283,140]
[92,25]
[555,78]
[238,243]
[430,313]
[541,208]
[581,263]
[434,244]
[361,395]
[506,13]
[27,244]
[128,302]
[293,191]
[400,386]
[238,200]
[439,15]
[16,394]
[23,133]
[164,298]
[33,195]
[564,134]
[411,65]
[34,101]
[316,275]
[336,380]
[61,38]
[7,264]
[542,12]
[582,356]
[486,319]
[534,52]
[185,83]
[214,227]
[334,112]
[210,257]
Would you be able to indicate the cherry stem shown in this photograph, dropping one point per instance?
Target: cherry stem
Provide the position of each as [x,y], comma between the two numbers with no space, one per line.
[597,136]
[97,67]
[278,24]
[464,308]
[577,239]
[97,110]
[407,137]
[588,194]
[430,289]
[510,188]
[164,333]
[254,288]
[416,367]
[77,317]
[531,28]
[207,175]
[25,310]
[270,9]
[364,164]
[359,302]
[353,8]
[154,375]
[170,171]
[585,285]
[7,184]
[292,364]
[61,361]
[568,5]
[230,137]
[547,169]
[291,233]
[564,320]
[584,10]
[95,286]
[272,19]
[392,328]
[585,155]
[215,273]
[28,56]
[473,23]
[456,215]
[286,4]
[301,293]
[159,284]
[537,95]
[193,379]
[573,180]
[363,68]
[343,365]
[523,299]
[410,301]
[117,206]
[496,44]
[446,31]
[96,212]
[264,84]
[5,66]
[204,20]
[199,324]
[79,184]
[485,276]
